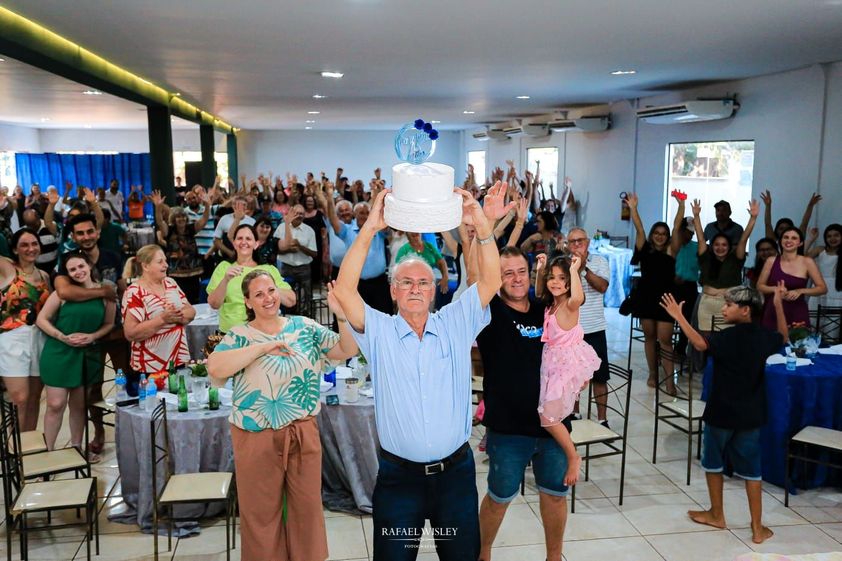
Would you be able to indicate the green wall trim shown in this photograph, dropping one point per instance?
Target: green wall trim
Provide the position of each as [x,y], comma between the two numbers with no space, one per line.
[28,42]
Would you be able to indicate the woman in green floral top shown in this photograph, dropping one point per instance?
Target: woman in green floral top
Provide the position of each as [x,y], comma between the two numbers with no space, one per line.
[277,363]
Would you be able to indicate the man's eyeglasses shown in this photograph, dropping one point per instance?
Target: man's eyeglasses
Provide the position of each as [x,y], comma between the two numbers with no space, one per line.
[406,284]
[577,241]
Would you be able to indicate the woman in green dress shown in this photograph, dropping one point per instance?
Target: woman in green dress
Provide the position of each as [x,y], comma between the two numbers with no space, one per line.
[71,356]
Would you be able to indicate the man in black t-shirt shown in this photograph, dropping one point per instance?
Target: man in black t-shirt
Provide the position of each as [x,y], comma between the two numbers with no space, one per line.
[736,407]
[511,347]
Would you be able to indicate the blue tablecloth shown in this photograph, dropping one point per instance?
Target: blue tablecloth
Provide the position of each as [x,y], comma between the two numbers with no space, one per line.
[619,283]
[811,395]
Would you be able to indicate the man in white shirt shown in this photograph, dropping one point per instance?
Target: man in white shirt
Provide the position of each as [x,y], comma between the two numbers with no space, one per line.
[595,275]
[296,249]
[114,200]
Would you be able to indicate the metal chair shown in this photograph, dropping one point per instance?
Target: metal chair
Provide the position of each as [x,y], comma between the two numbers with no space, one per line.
[829,323]
[22,498]
[681,410]
[717,322]
[826,440]
[185,488]
[589,433]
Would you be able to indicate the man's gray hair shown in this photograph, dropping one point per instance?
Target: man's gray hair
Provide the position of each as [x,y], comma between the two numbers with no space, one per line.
[361,204]
[577,229]
[410,260]
[343,202]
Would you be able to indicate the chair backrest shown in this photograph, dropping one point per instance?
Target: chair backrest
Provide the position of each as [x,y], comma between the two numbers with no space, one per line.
[681,367]
[10,455]
[618,394]
[716,322]
[829,323]
[619,241]
[160,435]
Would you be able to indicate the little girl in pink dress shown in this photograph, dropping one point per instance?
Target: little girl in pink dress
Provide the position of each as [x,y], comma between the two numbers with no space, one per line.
[567,363]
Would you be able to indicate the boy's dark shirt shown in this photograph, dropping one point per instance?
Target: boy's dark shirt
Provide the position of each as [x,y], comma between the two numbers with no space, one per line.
[737,398]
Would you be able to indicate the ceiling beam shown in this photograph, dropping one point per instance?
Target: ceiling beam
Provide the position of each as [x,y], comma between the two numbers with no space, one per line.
[29,42]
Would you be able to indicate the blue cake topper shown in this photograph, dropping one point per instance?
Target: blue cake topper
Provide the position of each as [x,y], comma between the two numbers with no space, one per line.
[416,142]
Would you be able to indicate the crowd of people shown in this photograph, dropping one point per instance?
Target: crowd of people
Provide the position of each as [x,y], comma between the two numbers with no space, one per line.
[528,291]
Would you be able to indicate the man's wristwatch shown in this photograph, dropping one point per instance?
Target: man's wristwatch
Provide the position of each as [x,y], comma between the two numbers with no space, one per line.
[486,241]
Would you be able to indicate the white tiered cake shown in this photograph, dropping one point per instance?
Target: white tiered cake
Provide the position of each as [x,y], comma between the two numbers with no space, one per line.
[422,199]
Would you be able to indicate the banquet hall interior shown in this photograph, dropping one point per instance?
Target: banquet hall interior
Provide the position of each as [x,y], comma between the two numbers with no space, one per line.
[584,108]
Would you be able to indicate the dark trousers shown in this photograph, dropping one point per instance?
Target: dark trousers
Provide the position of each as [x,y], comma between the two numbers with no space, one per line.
[404,497]
[375,293]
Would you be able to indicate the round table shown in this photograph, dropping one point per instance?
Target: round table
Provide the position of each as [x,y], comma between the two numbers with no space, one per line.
[203,326]
[350,449]
[200,440]
[810,395]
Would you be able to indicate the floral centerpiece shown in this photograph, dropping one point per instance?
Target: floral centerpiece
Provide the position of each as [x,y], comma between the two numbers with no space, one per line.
[802,340]
[199,370]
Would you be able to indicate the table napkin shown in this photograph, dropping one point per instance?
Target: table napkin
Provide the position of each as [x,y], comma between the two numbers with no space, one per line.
[781,359]
[834,350]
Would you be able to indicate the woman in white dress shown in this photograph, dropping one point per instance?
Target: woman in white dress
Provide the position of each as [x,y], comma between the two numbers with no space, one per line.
[826,257]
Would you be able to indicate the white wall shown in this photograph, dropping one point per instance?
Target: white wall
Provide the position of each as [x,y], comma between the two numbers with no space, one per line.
[26,139]
[782,113]
[19,139]
[356,152]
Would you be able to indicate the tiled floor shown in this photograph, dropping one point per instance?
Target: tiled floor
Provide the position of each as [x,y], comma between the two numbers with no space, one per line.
[651,525]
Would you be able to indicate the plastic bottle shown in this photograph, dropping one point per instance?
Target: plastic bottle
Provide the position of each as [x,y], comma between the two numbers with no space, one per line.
[141,390]
[120,393]
[151,396]
[790,362]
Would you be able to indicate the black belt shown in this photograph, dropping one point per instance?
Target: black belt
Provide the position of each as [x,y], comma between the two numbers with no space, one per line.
[431,468]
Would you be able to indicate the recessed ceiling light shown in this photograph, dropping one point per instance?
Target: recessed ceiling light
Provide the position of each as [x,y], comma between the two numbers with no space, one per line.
[466,112]
[317,96]
[312,112]
[309,121]
[44,119]
[522,97]
[435,122]
[327,74]
[92,92]
[308,128]
[623,72]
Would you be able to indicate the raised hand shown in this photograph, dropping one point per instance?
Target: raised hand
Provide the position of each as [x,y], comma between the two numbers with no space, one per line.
[332,302]
[88,195]
[766,197]
[52,197]
[696,207]
[631,200]
[814,199]
[753,208]
[156,198]
[522,209]
[672,307]
[239,210]
[377,173]
[679,196]
[375,220]
[568,182]
[575,263]
[494,206]
[540,261]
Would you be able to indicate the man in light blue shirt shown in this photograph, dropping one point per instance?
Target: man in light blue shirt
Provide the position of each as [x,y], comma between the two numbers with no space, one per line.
[421,372]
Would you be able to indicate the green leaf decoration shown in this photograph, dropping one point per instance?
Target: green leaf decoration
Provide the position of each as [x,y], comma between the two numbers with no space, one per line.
[250,424]
[305,390]
[249,400]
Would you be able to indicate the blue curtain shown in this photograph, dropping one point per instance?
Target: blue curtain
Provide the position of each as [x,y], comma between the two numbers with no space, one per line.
[90,170]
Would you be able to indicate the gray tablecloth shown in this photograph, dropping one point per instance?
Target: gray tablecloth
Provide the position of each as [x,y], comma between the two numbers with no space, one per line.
[349,455]
[200,440]
[203,326]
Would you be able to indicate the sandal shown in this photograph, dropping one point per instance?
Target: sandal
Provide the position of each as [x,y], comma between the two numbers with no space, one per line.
[93,457]
[97,445]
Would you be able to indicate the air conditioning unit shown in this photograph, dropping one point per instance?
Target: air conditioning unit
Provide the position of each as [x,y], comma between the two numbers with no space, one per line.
[504,131]
[689,112]
[536,129]
[481,135]
[582,124]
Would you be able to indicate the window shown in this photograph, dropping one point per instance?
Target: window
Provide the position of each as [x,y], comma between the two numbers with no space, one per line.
[711,172]
[476,158]
[194,156]
[8,173]
[548,157]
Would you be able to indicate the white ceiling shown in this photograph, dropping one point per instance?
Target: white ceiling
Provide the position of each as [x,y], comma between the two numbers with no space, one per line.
[256,63]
